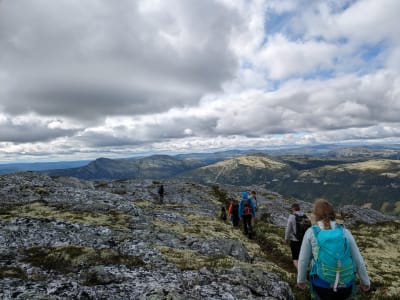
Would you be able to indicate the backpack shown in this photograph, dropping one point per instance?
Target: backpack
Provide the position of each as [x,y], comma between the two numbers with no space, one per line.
[246,207]
[333,262]
[235,209]
[302,224]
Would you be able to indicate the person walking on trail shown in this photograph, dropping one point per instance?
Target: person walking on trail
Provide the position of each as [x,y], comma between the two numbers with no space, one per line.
[233,211]
[296,226]
[335,258]
[253,198]
[223,215]
[161,193]
[247,212]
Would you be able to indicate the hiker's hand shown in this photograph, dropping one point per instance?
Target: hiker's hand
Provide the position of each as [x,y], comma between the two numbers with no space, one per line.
[285,241]
[365,288]
[302,285]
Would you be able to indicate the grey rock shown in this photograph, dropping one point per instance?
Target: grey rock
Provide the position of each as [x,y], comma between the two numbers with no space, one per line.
[353,215]
[131,209]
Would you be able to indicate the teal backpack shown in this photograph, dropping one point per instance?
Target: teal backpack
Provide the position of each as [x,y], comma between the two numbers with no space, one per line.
[333,262]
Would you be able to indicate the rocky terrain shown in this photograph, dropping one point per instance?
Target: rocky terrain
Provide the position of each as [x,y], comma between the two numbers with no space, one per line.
[64,238]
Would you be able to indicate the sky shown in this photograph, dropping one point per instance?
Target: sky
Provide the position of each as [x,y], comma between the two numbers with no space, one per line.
[99,78]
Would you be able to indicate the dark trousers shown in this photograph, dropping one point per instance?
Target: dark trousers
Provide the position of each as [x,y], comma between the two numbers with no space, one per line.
[248,229]
[329,294]
[235,220]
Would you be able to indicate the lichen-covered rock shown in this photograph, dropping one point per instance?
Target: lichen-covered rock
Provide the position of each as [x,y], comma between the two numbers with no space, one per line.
[353,215]
[63,238]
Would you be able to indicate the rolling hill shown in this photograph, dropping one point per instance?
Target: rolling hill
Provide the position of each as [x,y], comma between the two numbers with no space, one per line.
[152,167]
[343,177]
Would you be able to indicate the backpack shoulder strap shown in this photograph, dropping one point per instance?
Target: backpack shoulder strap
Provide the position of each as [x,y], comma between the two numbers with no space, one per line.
[316,231]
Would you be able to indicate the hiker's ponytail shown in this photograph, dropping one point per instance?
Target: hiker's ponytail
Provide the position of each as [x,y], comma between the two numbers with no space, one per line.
[323,211]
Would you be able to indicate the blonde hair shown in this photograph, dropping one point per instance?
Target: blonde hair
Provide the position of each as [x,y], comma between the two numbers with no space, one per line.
[323,211]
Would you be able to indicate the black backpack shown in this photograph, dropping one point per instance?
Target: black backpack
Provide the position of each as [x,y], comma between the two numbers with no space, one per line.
[302,224]
[235,209]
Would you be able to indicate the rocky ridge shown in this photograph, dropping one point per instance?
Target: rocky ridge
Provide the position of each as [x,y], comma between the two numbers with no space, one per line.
[64,238]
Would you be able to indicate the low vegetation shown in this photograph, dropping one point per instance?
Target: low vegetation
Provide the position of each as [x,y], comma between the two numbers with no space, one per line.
[41,209]
[71,258]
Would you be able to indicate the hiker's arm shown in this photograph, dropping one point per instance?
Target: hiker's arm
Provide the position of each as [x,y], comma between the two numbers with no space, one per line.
[358,260]
[304,258]
[253,209]
[288,229]
[240,209]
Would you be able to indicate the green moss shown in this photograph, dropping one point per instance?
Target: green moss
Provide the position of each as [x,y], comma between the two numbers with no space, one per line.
[192,260]
[41,209]
[67,259]
[42,191]
[12,272]
[221,195]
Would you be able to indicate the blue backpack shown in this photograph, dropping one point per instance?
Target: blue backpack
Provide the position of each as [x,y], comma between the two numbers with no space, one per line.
[333,262]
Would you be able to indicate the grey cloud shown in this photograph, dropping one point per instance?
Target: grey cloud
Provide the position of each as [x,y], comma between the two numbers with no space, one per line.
[173,128]
[88,60]
[31,132]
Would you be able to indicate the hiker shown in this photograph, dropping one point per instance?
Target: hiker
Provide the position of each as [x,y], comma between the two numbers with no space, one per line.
[335,258]
[253,198]
[233,211]
[297,225]
[223,213]
[247,212]
[161,193]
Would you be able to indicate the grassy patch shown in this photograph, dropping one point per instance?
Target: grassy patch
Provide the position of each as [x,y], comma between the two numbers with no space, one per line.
[380,247]
[40,209]
[221,195]
[192,260]
[12,272]
[67,259]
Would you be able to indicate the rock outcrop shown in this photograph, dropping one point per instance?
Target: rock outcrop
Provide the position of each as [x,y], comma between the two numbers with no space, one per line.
[353,215]
[63,238]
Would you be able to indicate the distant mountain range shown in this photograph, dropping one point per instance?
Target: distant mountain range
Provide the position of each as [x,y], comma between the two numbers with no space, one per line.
[358,175]
[152,167]
[40,166]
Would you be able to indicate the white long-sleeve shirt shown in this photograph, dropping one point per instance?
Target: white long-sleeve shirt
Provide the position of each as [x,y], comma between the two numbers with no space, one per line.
[290,230]
[309,249]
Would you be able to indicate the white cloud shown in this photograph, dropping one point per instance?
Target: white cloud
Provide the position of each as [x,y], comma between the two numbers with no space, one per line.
[283,58]
[98,78]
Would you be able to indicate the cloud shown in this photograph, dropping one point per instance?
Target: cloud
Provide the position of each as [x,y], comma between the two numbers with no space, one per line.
[100,78]
[87,61]
[283,58]
[22,131]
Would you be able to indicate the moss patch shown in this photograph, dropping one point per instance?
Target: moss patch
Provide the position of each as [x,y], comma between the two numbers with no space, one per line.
[67,259]
[40,209]
[12,272]
[192,260]
[380,247]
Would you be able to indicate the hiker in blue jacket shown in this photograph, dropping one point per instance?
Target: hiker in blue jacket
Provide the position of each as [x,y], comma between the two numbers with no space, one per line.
[338,287]
[247,212]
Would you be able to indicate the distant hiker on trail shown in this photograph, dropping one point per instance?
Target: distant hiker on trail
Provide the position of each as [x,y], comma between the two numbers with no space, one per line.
[253,198]
[233,211]
[247,211]
[335,258]
[223,213]
[297,225]
[161,193]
